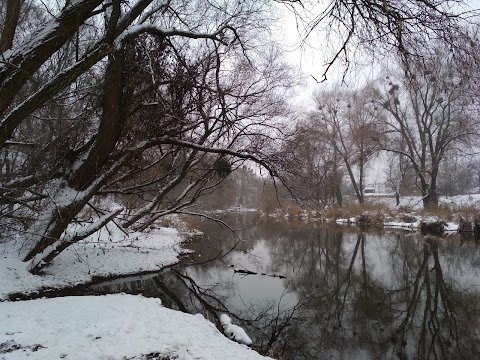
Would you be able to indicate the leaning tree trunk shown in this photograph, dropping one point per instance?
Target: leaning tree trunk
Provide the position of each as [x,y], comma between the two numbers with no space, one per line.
[358,191]
[86,179]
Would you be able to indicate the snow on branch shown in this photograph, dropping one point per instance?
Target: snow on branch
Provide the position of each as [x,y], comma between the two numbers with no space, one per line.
[17,65]
[37,99]
[155,30]
[49,253]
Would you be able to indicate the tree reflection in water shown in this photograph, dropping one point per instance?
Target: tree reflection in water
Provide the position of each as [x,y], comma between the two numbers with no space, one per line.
[349,294]
[381,296]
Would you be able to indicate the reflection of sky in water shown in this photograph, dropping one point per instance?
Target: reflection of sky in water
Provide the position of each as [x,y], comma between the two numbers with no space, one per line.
[377,257]
[460,262]
[247,291]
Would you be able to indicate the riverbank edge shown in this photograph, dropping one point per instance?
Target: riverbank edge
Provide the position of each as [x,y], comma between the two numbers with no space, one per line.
[114,326]
[79,289]
[439,221]
[16,348]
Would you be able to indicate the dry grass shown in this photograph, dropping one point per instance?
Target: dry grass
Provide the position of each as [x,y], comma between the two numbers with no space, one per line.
[442,212]
[468,212]
[292,208]
[191,222]
[453,213]
[374,211]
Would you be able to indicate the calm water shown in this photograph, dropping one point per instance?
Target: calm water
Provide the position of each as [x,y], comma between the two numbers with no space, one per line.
[347,293]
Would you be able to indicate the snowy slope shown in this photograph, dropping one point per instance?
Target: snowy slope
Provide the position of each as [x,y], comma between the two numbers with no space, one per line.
[109,327]
[107,252]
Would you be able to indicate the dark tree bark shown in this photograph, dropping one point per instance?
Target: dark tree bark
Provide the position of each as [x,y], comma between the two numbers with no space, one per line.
[114,110]
[9,27]
[83,177]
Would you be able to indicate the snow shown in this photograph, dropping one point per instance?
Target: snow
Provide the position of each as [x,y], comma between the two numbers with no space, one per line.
[103,327]
[402,225]
[234,332]
[415,202]
[110,327]
[451,227]
[462,200]
[71,236]
[346,221]
[105,253]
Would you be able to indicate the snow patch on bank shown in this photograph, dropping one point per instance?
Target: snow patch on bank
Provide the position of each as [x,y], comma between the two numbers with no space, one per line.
[107,252]
[110,327]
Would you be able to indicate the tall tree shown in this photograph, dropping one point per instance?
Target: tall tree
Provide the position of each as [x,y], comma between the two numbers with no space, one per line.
[431,114]
[311,167]
[350,123]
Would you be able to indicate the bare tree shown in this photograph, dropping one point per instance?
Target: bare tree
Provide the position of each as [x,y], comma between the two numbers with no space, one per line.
[311,167]
[349,123]
[456,176]
[430,115]
[399,174]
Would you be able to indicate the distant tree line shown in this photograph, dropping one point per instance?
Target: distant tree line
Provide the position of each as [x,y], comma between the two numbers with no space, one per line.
[424,115]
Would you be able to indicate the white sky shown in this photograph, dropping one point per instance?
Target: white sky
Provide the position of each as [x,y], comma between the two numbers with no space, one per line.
[311,57]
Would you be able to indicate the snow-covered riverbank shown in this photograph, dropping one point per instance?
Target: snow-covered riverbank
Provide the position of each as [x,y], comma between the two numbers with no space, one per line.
[109,252]
[103,327]
[110,327]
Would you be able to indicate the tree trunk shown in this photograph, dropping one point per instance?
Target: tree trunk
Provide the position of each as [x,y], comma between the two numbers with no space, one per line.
[86,179]
[358,192]
[433,189]
[10,25]
[111,125]
[430,196]
[338,194]
[41,261]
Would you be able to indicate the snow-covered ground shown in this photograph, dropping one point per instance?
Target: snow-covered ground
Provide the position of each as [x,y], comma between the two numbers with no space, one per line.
[110,327]
[449,226]
[103,327]
[415,202]
[105,253]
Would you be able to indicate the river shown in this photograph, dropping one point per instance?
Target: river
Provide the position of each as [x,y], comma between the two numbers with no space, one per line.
[324,291]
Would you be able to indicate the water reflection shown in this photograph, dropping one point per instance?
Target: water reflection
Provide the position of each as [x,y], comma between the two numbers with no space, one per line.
[348,293]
